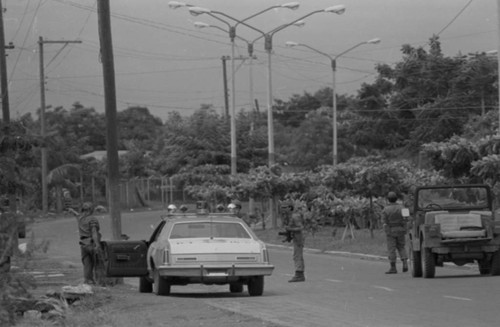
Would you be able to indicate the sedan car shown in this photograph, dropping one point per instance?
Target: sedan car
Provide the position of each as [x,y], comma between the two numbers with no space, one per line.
[204,248]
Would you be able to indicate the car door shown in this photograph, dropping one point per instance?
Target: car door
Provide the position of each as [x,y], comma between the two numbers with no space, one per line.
[128,258]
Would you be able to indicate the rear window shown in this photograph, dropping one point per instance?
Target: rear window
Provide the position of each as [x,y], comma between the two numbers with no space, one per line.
[208,229]
[453,198]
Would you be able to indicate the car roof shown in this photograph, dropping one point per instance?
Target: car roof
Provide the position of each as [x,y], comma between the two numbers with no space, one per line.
[193,217]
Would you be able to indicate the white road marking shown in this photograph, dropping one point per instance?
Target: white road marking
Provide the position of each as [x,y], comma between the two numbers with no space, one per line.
[457,298]
[383,288]
[334,280]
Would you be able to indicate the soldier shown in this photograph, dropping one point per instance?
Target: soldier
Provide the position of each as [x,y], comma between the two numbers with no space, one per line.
[294,223]
[394,225]
[90,238]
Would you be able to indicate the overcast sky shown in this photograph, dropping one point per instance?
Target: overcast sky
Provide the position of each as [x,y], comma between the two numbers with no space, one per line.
[164,63]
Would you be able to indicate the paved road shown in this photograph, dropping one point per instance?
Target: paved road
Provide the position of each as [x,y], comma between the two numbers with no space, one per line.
[339,291]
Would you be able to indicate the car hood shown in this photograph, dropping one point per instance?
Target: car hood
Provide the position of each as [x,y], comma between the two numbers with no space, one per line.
[217,245]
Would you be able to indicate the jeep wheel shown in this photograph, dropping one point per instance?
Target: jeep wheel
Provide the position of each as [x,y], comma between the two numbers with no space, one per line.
[428,263]
[495,264]
[416,262]
[145,286]
[484,266]
[160,285]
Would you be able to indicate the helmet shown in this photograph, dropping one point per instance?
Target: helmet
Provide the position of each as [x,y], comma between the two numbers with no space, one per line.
[220,207]
[171,207]
[231,206]
[183,208]
[236,203]
[392,197]
[87,207]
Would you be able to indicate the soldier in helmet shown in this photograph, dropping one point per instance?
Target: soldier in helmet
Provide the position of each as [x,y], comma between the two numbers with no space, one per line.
[90,240]
[294,224]
[394,225]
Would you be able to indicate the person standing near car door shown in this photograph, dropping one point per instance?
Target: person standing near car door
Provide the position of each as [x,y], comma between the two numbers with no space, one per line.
[90,241]
[394,225]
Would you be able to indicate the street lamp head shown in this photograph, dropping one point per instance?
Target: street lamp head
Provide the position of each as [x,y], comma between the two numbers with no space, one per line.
[177,4]
[338,9]
[195,11]
[291,44]
[373,41]
[291,5]
[201,25]
[300,23]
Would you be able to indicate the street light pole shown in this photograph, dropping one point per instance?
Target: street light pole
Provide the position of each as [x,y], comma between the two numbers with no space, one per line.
[333,61]
[232,34]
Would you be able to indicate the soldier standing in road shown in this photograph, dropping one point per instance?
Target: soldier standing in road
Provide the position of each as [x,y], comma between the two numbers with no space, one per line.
[394,225]
[295,225]
[90,238]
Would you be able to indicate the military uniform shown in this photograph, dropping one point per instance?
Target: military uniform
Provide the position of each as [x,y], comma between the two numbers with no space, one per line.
[88,229]
[395,228]
[296,227]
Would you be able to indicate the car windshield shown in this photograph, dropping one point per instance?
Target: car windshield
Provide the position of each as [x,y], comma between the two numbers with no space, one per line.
[208,229]
[452,197]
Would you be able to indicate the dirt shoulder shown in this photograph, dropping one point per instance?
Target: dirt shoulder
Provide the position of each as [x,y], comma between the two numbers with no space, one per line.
[122,305]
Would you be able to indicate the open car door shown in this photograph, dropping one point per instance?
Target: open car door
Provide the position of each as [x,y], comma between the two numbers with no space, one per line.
[125,258]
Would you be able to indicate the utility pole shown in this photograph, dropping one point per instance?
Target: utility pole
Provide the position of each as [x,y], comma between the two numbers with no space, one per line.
[104,22]
[224,79]
[45,192]
[3,72]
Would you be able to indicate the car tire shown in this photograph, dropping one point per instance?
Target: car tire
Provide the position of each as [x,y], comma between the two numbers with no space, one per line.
[416,262]
[256,285]
[145,285]
[484,266]
[495,264]
[236,287]
[428,263]
[160,285]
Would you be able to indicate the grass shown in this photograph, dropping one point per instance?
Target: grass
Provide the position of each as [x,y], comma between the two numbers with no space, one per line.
[330,239]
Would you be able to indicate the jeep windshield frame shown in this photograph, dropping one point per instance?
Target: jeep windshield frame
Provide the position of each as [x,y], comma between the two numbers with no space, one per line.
[453,198]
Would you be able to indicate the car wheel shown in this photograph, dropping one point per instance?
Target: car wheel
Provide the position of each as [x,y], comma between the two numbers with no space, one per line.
[484,266]
[236,287]
[495,264]
[416,262]
[256,285]
[160,285]
[428,263]
[145,285]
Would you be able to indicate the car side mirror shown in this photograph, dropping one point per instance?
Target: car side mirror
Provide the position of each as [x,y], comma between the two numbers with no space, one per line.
[405,212]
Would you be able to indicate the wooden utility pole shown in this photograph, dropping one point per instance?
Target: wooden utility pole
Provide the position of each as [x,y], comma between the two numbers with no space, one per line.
[104,22]
[3,72]
[45,191]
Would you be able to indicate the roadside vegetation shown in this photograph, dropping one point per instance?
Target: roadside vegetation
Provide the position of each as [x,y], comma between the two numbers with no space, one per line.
[427,119]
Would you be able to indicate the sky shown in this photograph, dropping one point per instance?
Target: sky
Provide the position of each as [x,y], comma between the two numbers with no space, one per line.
[163,62]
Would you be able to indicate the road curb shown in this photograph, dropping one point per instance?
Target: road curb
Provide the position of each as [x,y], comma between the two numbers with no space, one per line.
[362,256]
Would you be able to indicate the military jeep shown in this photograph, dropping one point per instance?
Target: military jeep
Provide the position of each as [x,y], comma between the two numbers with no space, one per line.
[453,224]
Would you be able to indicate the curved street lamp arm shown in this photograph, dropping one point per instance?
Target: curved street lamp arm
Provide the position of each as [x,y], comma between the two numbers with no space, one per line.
[351,48]
[279,28]
[256,14]
[316,50]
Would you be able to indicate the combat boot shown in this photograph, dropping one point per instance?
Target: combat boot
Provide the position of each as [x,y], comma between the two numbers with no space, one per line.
[405,265]
[299,277]
[393,269]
